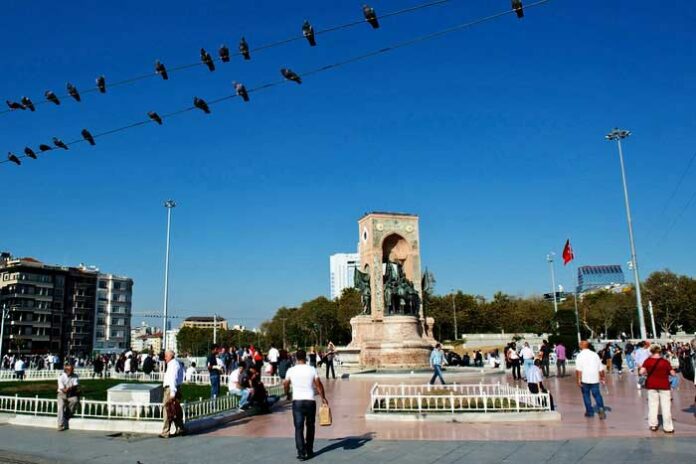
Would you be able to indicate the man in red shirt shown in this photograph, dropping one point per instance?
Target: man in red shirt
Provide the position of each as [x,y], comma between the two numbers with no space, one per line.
[658,369]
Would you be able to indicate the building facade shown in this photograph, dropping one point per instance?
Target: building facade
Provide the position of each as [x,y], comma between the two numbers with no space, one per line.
[342,270]
[48,309]
[205,322]
[112,328]
[600,277]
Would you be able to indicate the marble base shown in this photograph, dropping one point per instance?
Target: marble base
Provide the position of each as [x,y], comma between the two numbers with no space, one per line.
[142,393]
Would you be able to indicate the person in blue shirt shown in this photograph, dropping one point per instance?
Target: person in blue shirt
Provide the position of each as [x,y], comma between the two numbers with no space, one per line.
[437,359]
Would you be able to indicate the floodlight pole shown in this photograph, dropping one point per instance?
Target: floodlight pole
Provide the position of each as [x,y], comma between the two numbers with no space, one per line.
[169,204]
[549,259]
[618,135]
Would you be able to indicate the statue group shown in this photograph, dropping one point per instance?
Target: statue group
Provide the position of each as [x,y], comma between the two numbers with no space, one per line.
[400,295]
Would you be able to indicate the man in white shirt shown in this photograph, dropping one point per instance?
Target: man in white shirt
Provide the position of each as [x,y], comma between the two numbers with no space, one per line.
[191,373]
[19,367]
[304,379]
[234,387]
[173,378]
[68,396]
[589,372]
[641,354]
[273,355]
[514,359]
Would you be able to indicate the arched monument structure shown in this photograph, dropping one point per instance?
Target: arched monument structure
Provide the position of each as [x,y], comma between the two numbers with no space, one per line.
[392,332]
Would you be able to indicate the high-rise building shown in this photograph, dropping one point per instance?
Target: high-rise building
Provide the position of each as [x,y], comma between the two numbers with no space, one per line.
[112,325]
[342,268]
[600,277]
[50,309]
[205,322]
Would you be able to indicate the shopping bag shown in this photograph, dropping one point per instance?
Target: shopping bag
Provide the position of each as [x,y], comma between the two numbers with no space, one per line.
[324,415]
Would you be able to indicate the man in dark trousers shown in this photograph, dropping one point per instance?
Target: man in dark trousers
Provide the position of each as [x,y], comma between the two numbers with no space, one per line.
[304,380]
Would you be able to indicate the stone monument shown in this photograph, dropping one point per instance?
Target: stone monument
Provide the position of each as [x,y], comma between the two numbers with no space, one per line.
[392,331]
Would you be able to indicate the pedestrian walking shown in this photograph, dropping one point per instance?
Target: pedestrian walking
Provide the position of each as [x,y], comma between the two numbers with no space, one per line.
[589,372]
[437,359]
[514,359]
[304,380]
[561,360]
[214,372]
[19,367]
[329,360]
[535,382]
[527,357]
[68,396]
[545,358]
[657,369]
[273,358]
[173,378]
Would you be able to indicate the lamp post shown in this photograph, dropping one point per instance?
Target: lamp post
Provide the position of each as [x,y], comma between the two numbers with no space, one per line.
[169,204]
[618,135]
[549,259]
[5,312]
[454,315]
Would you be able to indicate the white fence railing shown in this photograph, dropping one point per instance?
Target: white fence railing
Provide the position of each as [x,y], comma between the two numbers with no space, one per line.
[86,374]
[455,398]
[92,409]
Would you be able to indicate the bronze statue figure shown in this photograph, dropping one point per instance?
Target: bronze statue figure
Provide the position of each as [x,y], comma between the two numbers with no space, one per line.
[362,284]
[400,295]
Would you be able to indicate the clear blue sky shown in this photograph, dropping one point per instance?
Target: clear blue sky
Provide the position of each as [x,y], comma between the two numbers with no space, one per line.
[494,136]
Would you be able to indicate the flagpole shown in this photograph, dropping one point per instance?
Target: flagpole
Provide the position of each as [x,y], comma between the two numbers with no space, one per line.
[568,256]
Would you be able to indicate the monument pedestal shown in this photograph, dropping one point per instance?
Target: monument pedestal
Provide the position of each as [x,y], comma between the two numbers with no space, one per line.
[393,342]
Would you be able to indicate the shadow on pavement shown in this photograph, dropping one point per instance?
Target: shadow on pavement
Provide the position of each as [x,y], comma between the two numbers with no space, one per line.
[347,443]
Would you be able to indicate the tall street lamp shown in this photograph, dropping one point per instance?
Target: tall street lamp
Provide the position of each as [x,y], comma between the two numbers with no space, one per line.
[169,204]
[618,135]
[454,315]
[549,259]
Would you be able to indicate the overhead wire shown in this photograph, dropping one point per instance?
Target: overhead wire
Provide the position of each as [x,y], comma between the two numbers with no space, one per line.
[335,65]
[259,48]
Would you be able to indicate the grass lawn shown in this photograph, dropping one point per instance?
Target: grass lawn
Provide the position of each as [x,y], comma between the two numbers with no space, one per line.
[92,389]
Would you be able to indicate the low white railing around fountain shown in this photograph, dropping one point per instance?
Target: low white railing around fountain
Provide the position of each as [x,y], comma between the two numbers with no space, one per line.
[455,398]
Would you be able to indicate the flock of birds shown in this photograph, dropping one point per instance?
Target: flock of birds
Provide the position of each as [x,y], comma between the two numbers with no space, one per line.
[160,69]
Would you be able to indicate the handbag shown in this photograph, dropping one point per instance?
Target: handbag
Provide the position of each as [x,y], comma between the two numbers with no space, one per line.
[324,415]
[643,379]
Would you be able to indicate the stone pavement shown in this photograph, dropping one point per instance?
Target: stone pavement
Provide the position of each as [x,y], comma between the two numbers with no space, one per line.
[623,437]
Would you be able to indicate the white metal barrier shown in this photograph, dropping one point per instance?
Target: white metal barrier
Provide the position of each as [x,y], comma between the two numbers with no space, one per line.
[454,398]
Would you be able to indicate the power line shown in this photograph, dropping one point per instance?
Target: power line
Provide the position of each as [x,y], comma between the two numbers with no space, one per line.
[676,188]
[275,44]
[335,65]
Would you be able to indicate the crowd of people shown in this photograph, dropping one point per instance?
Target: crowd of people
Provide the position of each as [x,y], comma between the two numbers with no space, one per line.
[657,369]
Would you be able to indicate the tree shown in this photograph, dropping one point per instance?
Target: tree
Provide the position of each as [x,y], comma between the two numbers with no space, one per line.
[674,300]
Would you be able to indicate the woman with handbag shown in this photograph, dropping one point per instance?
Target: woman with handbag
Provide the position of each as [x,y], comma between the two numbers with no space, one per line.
[656,371]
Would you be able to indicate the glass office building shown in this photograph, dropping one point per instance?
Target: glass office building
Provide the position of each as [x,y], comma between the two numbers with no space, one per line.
[596,277]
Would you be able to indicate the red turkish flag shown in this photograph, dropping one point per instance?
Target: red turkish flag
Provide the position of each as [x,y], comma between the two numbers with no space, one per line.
[568,255]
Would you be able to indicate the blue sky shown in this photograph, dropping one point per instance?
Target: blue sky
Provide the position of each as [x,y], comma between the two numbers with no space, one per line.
[493,135]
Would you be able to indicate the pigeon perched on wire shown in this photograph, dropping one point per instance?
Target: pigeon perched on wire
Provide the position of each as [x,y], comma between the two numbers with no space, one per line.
[101,84]
[12,157]
[308,32]
[201,105]
[88,137]
[224,53]
[44,147]
[59,143]
[29,152]
[50,96]
[244,49]
[370,16]
[26,101]
[14,105]
[72,90]
[517,6]
[291,75]
[207,60]
[155,117]
[241,91]
[161,70]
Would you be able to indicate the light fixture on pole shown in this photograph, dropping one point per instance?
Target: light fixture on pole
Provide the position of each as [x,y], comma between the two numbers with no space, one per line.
[549,259]
[169,204]
[618,135]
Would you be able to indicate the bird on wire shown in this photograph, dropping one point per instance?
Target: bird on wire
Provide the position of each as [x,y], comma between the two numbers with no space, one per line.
[207,60]
[72,91]
[26,101]
[44,147]
[155,117]
[370,16]
[161,70]
[201,105]
[241,91]
[244,49]
[88,137]
[308,32]
[15,105]
[517,6]
[59,143]
[50,96]
[224,53]
[29,152]
[290,75]
[101,84]
[12,157]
